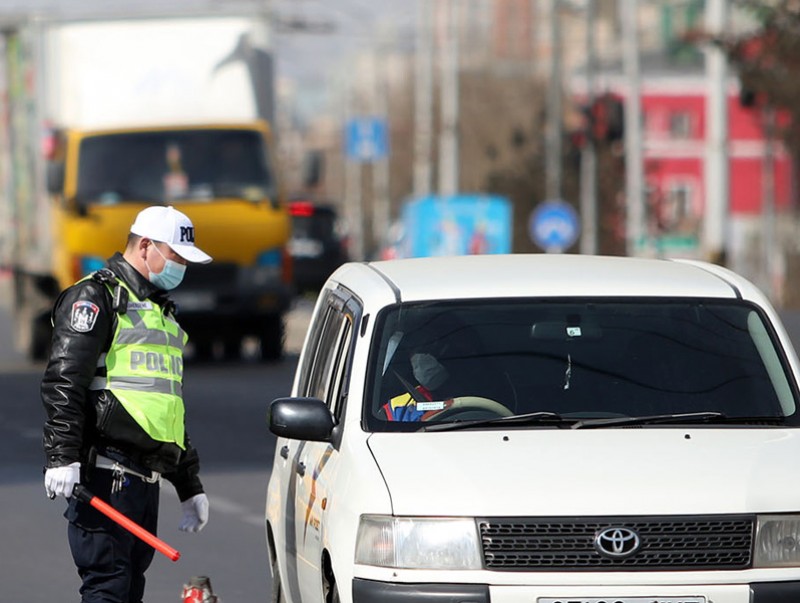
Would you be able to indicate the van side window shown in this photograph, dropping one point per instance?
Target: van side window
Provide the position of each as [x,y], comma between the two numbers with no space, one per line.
[309,356]
[324,365]
[338,385]
[320,382]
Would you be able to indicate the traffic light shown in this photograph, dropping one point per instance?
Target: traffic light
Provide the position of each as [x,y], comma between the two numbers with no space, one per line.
[607,118]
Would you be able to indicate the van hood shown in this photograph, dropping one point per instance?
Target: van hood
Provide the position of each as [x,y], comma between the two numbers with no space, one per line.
[592,472]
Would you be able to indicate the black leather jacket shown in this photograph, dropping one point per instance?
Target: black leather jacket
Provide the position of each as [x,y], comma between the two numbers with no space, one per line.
[81,421]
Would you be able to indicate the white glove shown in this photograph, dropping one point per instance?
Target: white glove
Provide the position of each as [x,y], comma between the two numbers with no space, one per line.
[195,513]
[59,481]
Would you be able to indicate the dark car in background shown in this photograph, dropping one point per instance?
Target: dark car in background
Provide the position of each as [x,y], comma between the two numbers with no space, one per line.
[317,245]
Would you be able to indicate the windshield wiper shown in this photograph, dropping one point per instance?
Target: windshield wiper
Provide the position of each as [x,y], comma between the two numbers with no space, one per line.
[531,418]
[114,196]
[689,417]
[243,190]
[552,418]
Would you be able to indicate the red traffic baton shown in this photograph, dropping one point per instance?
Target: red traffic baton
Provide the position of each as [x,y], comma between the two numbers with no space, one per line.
[82,494]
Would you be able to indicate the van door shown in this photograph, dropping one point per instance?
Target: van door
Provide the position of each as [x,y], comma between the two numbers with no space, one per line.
[318,461]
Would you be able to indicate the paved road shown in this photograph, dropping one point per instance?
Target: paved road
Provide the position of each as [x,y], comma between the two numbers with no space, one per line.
[227,405]
[226,417]
[10,359]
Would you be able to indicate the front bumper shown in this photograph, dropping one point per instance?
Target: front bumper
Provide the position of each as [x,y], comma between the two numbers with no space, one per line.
[387,592]
[372,591]
[775,592]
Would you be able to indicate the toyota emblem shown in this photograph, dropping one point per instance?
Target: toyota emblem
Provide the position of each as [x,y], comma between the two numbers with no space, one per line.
[617,542]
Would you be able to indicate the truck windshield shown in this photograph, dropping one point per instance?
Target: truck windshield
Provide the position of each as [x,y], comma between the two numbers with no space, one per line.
[177,164]
[578,360]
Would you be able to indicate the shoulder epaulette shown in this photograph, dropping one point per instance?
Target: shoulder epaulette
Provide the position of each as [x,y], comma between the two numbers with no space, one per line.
[105,276]
[170,307]
[119,295]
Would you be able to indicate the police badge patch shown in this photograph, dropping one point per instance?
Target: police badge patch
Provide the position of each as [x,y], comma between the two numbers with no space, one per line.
[84,315]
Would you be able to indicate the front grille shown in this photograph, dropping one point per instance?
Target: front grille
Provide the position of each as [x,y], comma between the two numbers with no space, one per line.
[219,276]
[667,543]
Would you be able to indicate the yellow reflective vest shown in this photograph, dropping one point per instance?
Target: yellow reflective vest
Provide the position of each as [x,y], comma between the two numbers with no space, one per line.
[144,369]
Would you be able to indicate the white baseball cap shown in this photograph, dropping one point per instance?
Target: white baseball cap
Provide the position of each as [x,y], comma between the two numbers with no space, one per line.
[168,225]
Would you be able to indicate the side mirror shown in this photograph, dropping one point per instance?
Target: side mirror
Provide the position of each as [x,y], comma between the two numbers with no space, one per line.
[55,177]
[313,169]
[300,419]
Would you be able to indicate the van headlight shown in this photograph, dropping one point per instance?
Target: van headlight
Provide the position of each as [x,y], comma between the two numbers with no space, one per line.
[418,543]
[777,541]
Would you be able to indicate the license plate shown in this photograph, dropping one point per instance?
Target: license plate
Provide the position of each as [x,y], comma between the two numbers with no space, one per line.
[194,301]
[305,248]
[690,599]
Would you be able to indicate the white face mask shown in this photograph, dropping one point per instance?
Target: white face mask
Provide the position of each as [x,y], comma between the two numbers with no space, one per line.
[170,276]
[428,372]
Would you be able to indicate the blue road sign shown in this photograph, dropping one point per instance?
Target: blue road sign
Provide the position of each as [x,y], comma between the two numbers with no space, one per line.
[366,139]
[554,225]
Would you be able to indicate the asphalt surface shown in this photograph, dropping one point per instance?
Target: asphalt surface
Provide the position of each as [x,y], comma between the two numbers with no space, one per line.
[226,417]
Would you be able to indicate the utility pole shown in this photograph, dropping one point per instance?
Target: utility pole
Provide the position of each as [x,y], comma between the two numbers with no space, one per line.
[423,99]
[380,166]
[588,193]
[634,164]
[768,230]
[352,181]
[554,102]
[448,142]
[716,165]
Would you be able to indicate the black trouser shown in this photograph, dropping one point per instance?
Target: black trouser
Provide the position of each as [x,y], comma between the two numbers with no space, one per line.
[110,560]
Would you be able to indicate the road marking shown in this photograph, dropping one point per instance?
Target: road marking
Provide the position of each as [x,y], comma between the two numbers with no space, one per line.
[227,506]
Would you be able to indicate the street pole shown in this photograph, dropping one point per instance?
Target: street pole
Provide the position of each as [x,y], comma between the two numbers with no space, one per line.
[588,192]
[380,166]
[423,99]
[448,142]
[554,102]
[716,163]
[352,182]
[634,164]
[768,229]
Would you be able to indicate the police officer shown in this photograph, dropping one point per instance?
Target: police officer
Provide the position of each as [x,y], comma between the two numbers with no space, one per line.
[113,399]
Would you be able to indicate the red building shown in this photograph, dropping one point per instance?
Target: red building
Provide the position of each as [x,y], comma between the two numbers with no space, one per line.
[674,129]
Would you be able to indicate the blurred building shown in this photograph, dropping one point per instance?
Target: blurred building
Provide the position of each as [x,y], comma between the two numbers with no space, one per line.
[674,110]
[503,60]
[673,89]
[506,51]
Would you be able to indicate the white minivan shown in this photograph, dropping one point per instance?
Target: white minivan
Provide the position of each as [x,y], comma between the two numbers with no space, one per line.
[538,429]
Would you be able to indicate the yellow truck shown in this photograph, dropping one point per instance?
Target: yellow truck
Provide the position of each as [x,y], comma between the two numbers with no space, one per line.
[221,176]
[96,125]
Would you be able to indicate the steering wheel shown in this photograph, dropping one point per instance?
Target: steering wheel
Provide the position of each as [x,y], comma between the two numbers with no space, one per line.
[471,403]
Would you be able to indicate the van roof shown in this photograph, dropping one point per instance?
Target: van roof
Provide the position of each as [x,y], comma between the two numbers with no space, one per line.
[545,275]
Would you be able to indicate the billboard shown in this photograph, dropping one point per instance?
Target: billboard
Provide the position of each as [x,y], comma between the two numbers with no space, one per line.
[455,225]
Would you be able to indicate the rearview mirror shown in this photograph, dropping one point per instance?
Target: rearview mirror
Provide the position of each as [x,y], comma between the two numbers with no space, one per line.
[313,169]
[55,177]
[300,419]
[559,330]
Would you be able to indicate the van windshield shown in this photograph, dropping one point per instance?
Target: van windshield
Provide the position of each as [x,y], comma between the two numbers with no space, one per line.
[577,360]
[173,164]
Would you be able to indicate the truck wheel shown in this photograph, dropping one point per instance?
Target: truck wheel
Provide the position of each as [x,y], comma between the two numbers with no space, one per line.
[271,338]
[203,348]
[23,331]
[41,336]
[232,347]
